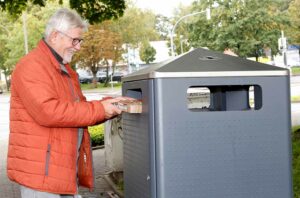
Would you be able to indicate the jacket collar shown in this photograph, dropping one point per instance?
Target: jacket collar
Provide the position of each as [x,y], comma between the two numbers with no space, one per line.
[55,54]
[56,59]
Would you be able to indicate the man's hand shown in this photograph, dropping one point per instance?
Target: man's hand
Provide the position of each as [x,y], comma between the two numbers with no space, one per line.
[110,109]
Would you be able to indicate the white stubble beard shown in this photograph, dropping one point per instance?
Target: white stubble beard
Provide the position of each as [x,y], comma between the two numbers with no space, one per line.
[67,58]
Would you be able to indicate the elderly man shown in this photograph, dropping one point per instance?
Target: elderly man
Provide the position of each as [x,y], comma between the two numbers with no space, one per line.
[49,152]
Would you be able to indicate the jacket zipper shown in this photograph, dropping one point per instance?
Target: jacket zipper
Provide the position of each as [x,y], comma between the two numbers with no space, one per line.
[47,159]
[76,99]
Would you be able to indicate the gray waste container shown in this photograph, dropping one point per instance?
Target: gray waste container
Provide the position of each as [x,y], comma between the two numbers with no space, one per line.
[212,126]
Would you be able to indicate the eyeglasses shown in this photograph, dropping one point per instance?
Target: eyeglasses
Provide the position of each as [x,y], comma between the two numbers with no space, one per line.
[75,41]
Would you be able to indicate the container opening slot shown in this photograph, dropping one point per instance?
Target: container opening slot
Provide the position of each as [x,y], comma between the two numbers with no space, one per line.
[224,98]
[134,93]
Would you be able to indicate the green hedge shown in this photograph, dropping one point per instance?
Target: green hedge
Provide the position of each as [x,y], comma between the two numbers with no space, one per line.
[97,134]
[296,161]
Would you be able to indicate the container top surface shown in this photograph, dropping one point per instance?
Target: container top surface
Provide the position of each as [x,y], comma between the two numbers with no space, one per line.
[206,63]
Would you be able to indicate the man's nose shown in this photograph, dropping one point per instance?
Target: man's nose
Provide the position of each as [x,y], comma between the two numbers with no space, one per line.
[78,46]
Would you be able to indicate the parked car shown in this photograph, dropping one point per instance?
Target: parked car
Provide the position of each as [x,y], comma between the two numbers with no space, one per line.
[118,76]
[85,77]
[101,76]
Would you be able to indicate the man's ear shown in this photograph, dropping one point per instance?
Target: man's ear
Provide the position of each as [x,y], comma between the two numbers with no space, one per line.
[53,37]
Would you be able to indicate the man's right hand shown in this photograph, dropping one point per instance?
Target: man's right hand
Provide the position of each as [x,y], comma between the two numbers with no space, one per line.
[110,109]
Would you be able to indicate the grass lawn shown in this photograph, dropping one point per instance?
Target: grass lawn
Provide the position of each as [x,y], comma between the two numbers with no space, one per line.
[295,99]
[296,70]
[99,86]
[296,161]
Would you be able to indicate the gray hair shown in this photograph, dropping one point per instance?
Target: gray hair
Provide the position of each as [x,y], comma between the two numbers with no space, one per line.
[63,20]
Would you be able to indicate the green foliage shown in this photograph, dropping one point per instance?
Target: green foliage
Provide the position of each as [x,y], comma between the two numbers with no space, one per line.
[6,30]
[181,33]
[97,134]
[16,7]
[296,161]
[97,11]
[94,11]
[4,35]
[163,26]
[35,22]
[136,26]
[147,53]
[246,27]
[293,30]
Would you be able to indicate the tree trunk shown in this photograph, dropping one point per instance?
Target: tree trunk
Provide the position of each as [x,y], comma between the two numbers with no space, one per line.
[7,82]
[94,70]
[107,79]
[94,81]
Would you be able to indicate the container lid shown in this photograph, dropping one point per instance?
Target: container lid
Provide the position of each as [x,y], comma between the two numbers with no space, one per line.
[206,63]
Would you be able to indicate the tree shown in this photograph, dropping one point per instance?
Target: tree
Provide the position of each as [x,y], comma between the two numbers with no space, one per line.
[147,53]
[94,11]
[163,26]
[246,27]
[100,45]
[294,29]
[181,33]
[137,26]
[7,69]
[99,10]
[12,41]
[36,20]
[4,34]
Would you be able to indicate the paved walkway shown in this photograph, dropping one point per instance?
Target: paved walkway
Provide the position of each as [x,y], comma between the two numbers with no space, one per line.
[102,187]
[7,188]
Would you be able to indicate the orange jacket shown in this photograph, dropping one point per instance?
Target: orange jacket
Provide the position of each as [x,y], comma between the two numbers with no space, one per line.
[44,122]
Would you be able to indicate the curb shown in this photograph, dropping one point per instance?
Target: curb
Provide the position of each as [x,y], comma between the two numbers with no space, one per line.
[113,186]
